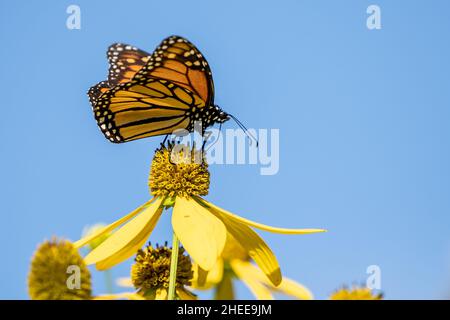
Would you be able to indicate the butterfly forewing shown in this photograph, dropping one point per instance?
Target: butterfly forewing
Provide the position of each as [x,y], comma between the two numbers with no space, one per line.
[179,61]
[124,62]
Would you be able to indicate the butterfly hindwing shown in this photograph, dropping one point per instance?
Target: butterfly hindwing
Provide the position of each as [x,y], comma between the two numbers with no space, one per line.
[96,91]
[144,108]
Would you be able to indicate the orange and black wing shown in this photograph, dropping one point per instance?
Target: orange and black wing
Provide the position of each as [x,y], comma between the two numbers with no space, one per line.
[177,60]
[153,95]
[124,62]
[96,91]
[144,108]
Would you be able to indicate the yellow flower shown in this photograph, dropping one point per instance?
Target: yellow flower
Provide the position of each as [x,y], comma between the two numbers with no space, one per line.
[58,272]
[235,263]
[178,177]
[120,296]
[151,270]
[355,293]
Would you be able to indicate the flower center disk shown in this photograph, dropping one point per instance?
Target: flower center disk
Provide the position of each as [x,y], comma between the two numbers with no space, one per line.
[178,170]
[151,269]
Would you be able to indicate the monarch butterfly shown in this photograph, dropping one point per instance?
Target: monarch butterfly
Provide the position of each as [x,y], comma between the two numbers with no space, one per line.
[155,94]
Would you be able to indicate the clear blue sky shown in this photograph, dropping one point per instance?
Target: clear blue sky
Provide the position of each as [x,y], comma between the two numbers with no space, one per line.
[363,118]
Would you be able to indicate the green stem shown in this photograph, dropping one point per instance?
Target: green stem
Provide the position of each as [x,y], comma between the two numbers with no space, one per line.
[109,281]
[173,268]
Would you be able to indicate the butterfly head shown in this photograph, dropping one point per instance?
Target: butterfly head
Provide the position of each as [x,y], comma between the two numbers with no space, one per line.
[220,116]
[211,115]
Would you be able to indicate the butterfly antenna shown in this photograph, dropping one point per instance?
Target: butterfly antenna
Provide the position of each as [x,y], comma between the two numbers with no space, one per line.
[244,128]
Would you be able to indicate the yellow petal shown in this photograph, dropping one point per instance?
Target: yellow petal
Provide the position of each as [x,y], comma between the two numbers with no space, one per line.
[256,224]
[202,234]
[161,294]
[123,243]
[257,249]
[287,286]
[120,296]
[213,277]
[184,294]
[216,273]
[225,289]
[84,241]
[134,296]
[201,276]
[260,291]
[126,252]
[294,289]
[132,247]
[125,282]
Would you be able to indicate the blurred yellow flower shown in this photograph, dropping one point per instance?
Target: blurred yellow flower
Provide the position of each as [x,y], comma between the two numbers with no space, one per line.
[58,272]
[355,293]
[151,271]
[178,177]
[235,263]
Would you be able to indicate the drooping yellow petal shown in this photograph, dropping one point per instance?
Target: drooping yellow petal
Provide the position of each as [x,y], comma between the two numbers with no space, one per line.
[185,294]
[255,246]
[203,279]
[202,234]
[216,273]
[120,296]
[161,294]
[134,296]
[225,289]
[133,246]
[287,286]
[201,276]
[260,291]
[294,289]
[123,243]
[125,282]
[84,241]
[256,224]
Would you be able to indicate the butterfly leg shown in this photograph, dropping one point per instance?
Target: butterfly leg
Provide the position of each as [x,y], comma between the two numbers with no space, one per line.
[165,139]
